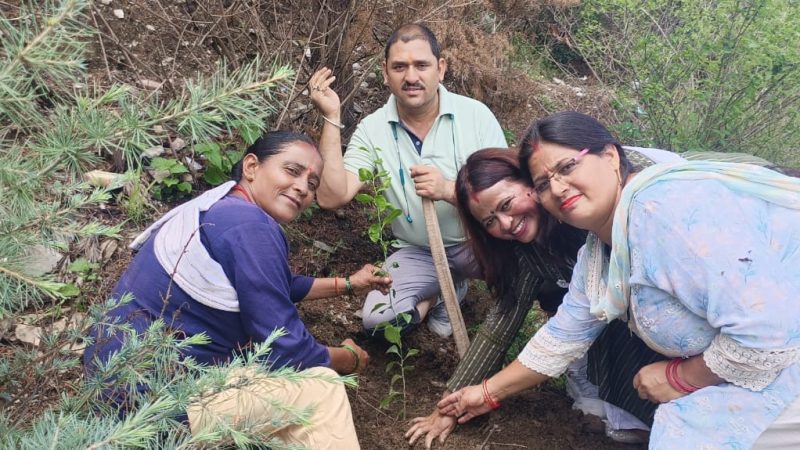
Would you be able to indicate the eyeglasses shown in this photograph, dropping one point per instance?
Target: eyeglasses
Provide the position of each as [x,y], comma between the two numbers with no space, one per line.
[562,171]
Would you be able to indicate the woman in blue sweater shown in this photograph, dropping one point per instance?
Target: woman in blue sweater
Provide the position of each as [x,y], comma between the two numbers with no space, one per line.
[219,265]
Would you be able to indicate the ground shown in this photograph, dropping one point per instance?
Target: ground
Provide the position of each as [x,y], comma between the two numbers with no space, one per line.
[156,45]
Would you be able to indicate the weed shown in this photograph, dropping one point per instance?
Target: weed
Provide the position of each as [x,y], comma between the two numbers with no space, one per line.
[84,269]
[169,182]
[219,162]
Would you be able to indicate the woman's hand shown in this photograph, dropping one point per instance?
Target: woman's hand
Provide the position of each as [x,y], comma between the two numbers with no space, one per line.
[370,278]
[433,426]
[651,383]
[325,99]
[351,364]
[464,404]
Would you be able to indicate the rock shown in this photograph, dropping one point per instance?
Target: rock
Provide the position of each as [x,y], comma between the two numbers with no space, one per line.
[357,108]
[158,129]
[41,260]
[372,76]
[340,214]
[119,14]
[150,28]
[158,175]
[73,322]
[191,163]
[105,2]
[107,249]
[28,334]
[356,67]
[102,178]
[324,247]
[558,81]
[154,152]
[150,84]
[178,144]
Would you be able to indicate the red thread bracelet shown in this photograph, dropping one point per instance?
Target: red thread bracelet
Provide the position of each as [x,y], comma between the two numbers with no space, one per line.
[493,404]
[336,285]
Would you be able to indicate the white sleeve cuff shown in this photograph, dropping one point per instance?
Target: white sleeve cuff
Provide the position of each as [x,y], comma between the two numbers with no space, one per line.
[747,367]
[549,355]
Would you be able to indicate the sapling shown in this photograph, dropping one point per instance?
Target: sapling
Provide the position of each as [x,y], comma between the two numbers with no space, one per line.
[382,213]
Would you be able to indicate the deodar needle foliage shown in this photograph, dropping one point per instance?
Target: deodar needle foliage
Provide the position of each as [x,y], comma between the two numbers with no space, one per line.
[45,146]
[53,128]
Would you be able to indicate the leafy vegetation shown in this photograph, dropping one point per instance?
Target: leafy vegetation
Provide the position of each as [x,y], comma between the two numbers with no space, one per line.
[718,75]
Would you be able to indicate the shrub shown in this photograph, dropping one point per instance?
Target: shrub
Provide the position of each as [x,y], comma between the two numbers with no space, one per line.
[717,75]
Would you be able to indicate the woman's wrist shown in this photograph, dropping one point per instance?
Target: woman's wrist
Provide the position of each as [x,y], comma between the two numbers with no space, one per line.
[356,358]
[490,399]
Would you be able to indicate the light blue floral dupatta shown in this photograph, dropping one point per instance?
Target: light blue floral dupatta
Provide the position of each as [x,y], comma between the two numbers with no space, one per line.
[608,280]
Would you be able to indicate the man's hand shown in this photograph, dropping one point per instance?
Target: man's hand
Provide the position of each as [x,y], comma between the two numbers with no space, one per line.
[322,96]
[433,426]
[430,183]
[651,383]
[370,278]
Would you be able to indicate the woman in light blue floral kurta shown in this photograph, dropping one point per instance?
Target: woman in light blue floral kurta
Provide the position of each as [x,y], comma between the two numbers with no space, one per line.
[703,260]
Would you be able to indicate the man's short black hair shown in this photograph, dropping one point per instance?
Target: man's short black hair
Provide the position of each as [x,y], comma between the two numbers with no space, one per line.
[409,32]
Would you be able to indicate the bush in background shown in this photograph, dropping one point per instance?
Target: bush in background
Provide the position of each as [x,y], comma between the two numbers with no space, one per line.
[720,75]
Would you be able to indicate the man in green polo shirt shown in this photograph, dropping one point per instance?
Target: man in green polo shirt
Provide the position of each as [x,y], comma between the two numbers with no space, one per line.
[424,134]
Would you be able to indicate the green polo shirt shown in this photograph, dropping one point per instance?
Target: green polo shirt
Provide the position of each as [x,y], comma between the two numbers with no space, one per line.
[463,126]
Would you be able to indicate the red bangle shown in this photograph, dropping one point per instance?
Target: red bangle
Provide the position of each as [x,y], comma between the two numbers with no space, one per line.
[675,380]
[336,285]
[493,404]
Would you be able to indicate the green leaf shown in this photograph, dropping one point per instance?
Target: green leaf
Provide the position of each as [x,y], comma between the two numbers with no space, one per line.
[364,174]
[170,181]
[374,232]
[214,176]
[363,198]
[391,365]
[249,131]
[393,349]
[395,378]
[380,202]
[68,290]
[185,187]
[393,215]
[80,265]
[163,163]
[392,335]
[178,168]
[404,318]
[412,352]
[378,306]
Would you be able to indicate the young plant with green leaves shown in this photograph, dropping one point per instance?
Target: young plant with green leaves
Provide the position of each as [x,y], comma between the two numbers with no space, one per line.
[382,213]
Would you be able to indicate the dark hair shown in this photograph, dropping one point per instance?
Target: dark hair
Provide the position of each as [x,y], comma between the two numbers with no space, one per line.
[496,257]
[410,32]
[574,130]
[268,145]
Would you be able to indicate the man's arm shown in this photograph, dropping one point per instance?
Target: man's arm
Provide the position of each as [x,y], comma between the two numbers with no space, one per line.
[337,185]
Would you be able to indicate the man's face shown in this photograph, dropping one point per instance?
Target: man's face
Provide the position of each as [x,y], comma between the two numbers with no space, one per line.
[413,74]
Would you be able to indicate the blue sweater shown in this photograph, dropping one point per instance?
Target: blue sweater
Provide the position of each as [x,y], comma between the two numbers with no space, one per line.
[253,252]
